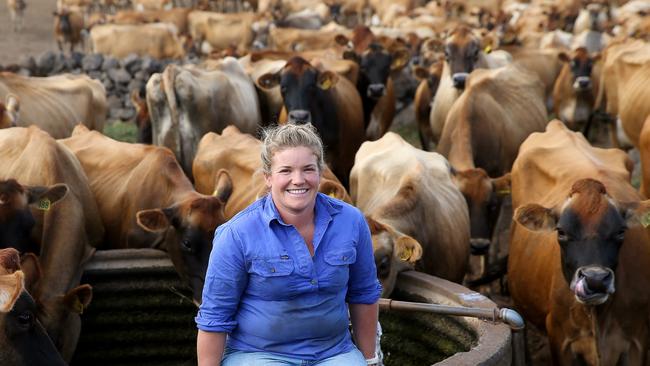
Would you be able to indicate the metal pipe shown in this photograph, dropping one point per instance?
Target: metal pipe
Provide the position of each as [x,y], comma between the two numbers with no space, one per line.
[504,315]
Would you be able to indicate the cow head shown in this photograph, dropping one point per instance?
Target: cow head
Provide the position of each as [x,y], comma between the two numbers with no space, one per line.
[590,228]
[483,196]
[193,222]
[23,340]
[9,111]
[301,86]
[375,61]
[462,54]
[581,65]
[16,219]
[394,252]
[64,25]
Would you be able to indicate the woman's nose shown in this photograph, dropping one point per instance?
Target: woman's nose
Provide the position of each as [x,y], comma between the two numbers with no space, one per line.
[297,177]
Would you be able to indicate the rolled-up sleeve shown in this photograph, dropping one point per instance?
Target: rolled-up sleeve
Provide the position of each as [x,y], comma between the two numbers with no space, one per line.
[364,287]
[225,280]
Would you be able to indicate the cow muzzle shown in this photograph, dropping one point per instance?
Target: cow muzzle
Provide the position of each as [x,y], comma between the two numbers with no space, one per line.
[458,79]
[592,285]
[582,83]
[479,246]
[376,91]
[299,116]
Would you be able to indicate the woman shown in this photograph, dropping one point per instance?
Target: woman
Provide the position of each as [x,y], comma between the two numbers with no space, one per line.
[282,270]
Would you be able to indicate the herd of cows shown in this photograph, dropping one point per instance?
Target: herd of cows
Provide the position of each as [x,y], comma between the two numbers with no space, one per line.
[491,73]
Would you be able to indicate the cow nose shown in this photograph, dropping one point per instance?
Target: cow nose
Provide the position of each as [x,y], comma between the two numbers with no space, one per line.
[582,83]
[376,90]
[299,116]
[479,246]
[598,279]
[459,80]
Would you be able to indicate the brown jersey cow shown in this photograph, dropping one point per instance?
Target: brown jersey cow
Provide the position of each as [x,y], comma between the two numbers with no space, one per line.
[56,103]
[578,251]
[46,193]
[497,111]
[146,201]
[408,194]
[23,340]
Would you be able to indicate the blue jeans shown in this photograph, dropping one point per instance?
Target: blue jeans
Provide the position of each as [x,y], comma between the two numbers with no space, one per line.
[233,357]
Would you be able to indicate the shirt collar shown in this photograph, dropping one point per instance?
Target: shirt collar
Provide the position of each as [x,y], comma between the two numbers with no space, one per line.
[325,209]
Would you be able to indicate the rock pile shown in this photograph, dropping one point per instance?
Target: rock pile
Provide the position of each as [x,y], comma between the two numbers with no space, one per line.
[119,77]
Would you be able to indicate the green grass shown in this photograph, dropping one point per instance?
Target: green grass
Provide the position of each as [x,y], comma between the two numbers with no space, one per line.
[121,131]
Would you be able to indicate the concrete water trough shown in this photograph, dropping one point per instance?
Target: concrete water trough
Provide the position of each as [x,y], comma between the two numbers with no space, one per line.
[426,338]
[141,314]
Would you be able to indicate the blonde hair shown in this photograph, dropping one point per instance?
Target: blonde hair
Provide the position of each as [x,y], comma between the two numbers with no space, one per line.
[278,138]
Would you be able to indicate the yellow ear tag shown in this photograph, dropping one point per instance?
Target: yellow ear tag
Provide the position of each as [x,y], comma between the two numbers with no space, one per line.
[78,307]
[332,194]
[215,193]
[326,84]
[645,220]
[504,192]
[487,49]
[44,204]
[406,254]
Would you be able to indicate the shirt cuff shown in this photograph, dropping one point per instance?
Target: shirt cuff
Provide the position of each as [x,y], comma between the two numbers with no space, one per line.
[214,326]
[366,297]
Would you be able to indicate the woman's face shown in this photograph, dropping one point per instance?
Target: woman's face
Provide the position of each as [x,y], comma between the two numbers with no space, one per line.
[294,180]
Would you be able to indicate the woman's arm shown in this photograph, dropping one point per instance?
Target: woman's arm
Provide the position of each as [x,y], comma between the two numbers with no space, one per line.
[364,327]
[209,347]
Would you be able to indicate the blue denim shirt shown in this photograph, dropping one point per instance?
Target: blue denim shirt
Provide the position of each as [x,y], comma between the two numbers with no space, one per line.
[263,287]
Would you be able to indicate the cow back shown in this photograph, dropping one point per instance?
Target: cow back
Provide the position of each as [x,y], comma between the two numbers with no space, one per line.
[57,103]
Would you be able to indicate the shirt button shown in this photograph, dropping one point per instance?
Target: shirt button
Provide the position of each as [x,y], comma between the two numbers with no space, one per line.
[313,282]
[344,257]
[272,270]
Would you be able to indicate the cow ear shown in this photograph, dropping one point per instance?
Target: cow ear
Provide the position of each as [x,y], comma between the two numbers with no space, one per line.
[375,226]
[11,285]
[341,40]
[595,57]
[536,217]
[420,73]
[562,56]
[502,185]
[31,267]
[78,298]
[153,220]
[636,213]
[327,79]
[268,80]
[333,190]
[223,187]
[44,197]
[400,59]
[407,249]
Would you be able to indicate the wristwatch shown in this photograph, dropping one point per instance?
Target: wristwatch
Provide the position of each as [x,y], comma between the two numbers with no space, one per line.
[373,361]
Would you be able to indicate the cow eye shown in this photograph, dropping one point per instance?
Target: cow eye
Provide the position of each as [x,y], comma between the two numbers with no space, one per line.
[384,267]
[620,235]
[186,246]
[562,235]
[25,319]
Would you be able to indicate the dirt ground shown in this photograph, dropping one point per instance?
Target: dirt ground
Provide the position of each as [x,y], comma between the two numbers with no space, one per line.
[36,37]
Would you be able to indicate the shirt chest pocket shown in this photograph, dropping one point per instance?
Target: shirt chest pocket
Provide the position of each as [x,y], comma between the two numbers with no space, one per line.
[271,279]
[337,270]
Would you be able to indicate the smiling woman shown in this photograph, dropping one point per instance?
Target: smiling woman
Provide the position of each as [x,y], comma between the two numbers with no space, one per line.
[285,272]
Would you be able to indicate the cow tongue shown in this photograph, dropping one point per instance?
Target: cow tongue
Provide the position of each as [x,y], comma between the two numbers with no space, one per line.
[581,290]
